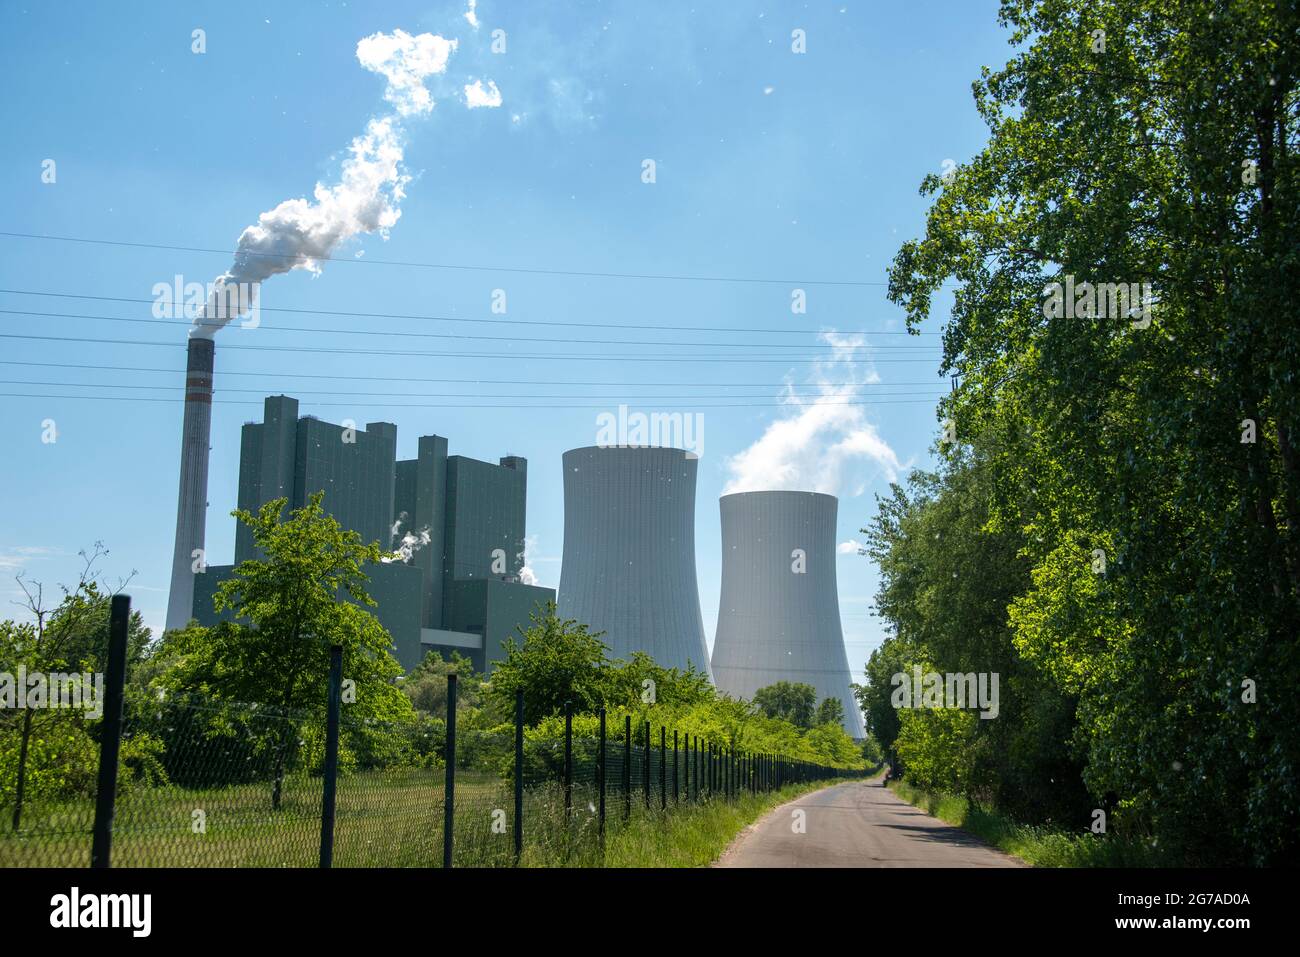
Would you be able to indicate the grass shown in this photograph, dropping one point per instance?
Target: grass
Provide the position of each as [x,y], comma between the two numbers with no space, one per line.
[1036,845]
[390,818]
[695,836]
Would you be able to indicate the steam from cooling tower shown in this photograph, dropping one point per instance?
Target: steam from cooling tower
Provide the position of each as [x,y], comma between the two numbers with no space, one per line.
[301,233]
[822,442]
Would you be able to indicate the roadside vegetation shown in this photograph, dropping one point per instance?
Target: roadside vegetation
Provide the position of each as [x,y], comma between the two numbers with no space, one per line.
[696,836]
[223,739]
[1036,845]
[1113,527]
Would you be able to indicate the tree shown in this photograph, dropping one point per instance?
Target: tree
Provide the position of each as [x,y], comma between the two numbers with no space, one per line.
[426,685]
[1145,452]
[70,638]
[558,662]
[832,745]
[306,595]
[641,680]
[874,696]
[788,700]
[871,752]
[948,575]
[830,711]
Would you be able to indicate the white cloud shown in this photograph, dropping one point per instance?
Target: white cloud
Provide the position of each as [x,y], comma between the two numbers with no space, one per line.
[19,556]
[405,61]
[470,16]
[476,94]
[826,443]
[851,547]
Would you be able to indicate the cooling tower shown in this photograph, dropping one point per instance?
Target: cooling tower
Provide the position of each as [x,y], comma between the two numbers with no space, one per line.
[629,551]
[192,501]
[779,612]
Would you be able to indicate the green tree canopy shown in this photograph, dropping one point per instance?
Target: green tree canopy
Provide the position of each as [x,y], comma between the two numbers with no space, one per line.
[426,685]
[830,711]
[1141,457]
[788,700]
[558,661]
[305,595]
[51,752]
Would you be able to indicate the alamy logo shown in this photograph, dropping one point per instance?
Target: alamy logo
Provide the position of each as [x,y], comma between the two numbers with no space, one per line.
[103,910]
[219,302]
[36,689]
[665,430]
[933,690]
[1104,300]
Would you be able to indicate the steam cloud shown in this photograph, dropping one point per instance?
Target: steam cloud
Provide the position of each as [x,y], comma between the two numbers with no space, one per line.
[404,61]
[397,527]
[526,574]
[824,444]
[411,542]
[301,233]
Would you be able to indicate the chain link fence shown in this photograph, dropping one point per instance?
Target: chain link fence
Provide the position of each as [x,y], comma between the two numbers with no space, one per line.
[203,783]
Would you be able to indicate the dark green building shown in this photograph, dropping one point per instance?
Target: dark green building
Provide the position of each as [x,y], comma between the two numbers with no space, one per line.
[459,589]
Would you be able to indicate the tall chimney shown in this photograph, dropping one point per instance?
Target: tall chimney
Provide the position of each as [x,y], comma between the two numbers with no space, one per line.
[192,501]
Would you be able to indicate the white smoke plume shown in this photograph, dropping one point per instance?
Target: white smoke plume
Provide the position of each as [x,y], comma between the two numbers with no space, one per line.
[397,527]
[411,543]
[301,233]
[526,574]
[825,443]
[405,61]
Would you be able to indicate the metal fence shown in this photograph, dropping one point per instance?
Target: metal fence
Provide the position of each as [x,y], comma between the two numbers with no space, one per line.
[189,782]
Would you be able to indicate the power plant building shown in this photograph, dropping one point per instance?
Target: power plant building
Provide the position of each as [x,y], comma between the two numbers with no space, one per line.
[285,456]
[778,611]
[459,589]
[629,551]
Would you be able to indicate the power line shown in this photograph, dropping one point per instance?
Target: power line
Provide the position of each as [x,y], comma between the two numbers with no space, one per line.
[389,377]
[449,335]
[490,321]
[612,357]
[812,399]
[444,405]
[302,260]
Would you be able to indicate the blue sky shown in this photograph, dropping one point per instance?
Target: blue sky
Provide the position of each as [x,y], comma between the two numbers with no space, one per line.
[770,165]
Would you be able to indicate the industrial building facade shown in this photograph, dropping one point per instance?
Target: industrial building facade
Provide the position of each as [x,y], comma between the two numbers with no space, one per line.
[459,590]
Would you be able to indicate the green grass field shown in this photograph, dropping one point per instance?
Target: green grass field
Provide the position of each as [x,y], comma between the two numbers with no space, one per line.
[391,818]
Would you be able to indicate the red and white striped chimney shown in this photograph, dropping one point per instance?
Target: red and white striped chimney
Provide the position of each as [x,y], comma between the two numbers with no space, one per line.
[189,558]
